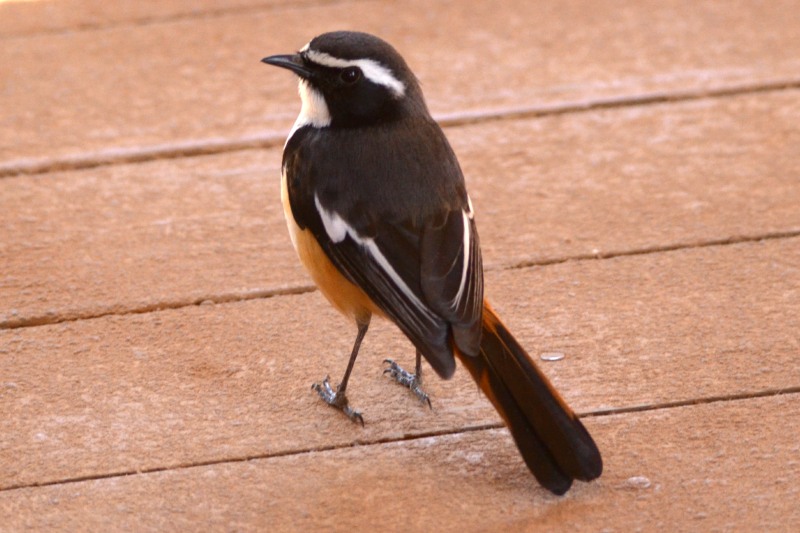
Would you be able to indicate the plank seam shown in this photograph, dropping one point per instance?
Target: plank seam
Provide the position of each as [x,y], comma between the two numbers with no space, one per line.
[272,140]
[656,249]
[406,438]
[51,319]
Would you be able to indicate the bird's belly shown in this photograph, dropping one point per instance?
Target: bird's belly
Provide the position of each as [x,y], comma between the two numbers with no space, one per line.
[346,297]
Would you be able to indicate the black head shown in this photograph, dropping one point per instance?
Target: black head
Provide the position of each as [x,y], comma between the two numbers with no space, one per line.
[352,79]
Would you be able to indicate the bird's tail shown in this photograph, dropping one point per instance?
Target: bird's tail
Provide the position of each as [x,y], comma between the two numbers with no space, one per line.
[553,442]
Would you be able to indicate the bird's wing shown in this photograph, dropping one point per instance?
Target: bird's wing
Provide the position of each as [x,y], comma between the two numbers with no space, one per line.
[451,275]
[423,272]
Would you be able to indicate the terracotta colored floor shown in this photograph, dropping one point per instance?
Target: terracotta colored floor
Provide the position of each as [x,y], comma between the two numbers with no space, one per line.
[635,168]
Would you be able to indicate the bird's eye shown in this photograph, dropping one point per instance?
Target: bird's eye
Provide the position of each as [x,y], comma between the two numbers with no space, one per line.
[350,75]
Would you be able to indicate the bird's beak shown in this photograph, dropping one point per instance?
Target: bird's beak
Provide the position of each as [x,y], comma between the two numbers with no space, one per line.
[292,62]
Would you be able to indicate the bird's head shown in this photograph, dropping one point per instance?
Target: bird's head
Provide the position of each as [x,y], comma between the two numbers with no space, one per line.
[352,79]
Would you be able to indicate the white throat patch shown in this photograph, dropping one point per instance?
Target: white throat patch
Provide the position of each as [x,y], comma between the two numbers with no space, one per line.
[373,71]
[314,111]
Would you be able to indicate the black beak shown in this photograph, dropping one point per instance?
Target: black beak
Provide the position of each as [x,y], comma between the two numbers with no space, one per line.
[292,62]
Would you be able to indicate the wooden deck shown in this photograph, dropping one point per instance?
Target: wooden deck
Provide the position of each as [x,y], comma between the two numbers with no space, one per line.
[635,169]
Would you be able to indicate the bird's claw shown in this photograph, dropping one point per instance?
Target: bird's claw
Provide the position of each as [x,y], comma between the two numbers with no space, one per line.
[337,399]
[408,380]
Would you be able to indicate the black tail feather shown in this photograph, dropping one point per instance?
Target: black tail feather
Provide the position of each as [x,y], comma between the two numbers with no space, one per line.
[552,440]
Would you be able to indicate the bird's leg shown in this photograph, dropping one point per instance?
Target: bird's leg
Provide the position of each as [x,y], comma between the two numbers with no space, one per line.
[338,398]
[405,378]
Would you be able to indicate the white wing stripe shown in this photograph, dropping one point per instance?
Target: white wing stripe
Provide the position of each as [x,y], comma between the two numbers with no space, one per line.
[335,226]
[470,211]
[466,251]
[337,229]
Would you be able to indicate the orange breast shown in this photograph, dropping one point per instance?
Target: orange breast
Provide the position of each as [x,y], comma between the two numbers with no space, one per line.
[346,297]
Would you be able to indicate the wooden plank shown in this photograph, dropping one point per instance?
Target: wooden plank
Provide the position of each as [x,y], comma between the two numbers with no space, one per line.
[216,383]
[726,466]
[75,98]
[202,415]
[27,18]
[168,233]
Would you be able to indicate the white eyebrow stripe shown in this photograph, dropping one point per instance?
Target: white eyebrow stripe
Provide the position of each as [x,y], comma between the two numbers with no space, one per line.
[373,71]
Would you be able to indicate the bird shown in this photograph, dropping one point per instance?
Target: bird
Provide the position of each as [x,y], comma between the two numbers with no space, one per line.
[378,212]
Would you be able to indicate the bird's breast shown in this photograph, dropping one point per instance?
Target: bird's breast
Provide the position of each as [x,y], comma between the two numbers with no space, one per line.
[346,297]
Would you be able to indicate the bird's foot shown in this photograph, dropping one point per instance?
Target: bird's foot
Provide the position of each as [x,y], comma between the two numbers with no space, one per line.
[337,399]
[412,381]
